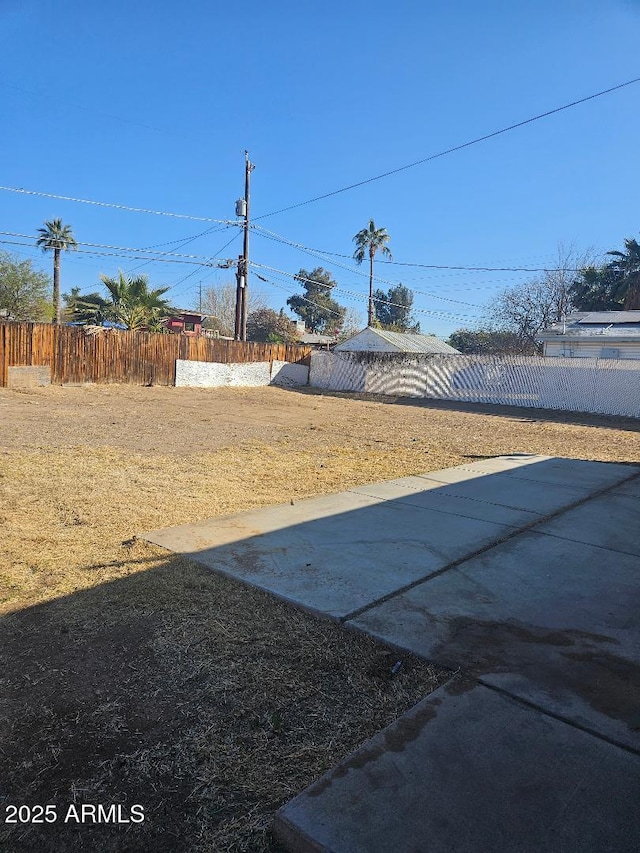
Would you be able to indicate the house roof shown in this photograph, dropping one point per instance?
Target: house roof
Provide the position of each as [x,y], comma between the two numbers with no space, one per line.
[405,342]
[313,338]
[609,317]
[596,324]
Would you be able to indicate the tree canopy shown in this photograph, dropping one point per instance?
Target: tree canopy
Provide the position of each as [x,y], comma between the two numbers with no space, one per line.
[130,303]
[219,304]
[25,293]
[368,242]
[269,326]
[530,306]
[84,308]
[485,342]
[394,309]
[624,270]
[595,289]
[56,237]
[320,312]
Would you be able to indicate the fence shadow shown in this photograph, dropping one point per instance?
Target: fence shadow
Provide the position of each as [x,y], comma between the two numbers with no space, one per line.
[521,413]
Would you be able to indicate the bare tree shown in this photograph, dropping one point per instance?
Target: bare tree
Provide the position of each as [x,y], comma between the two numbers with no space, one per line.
[527,308]
[352,324]
[219,303]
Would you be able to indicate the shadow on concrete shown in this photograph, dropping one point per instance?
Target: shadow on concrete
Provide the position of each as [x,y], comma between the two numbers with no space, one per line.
[143,690]
[521,570]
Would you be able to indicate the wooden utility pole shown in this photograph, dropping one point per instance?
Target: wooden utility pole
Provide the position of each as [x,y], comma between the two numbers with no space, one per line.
[239,298]
[242,277]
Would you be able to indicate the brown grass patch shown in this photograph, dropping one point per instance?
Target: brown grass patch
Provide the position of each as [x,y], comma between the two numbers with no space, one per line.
[135,677]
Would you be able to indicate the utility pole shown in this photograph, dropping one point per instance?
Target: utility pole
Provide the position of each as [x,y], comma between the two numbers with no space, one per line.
[242,276]
[200,297]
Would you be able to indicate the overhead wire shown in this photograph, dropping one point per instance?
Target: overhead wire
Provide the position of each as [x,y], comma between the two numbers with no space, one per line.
[107,246]
[362,296]
[293,293]
[377,279]
[451,150]
[280,239]
[118,206]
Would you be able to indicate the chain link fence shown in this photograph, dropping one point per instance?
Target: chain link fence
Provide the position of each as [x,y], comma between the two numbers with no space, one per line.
[600,386]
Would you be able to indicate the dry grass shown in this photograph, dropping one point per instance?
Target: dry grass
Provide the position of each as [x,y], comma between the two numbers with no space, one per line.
[130,676]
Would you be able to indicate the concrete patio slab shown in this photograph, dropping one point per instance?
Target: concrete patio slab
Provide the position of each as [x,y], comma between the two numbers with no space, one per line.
[551,621]
[471,771]
[540,750]
[455,501]
[631,489]
[332,563]
[610,522]
[578,474]
[493,498]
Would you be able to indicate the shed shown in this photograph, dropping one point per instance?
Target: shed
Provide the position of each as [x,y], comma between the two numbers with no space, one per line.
[595,334]
[380,340]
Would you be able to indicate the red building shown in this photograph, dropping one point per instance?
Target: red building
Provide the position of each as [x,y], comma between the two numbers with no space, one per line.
[186,323]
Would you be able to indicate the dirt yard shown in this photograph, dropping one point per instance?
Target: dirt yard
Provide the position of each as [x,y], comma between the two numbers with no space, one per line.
[131,676]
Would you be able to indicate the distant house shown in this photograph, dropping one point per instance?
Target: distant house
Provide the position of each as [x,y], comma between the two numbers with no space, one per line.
[186,322]
[312,339]
[379,340]
[596,334]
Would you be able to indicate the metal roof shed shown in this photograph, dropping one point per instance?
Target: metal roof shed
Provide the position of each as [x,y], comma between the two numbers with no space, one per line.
[380,340]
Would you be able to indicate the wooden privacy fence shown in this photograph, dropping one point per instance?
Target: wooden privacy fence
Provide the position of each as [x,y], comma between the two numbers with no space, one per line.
[77,355]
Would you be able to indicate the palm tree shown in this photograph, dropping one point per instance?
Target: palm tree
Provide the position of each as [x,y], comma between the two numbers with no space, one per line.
[625,271]
[56,236]
[132,303]
[368,242]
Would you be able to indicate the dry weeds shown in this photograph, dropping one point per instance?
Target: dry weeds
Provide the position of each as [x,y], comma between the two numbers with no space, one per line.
[133,676]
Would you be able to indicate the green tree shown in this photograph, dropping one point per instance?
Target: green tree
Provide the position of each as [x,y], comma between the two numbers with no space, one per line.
[394,309]
[320,312]
[369,241]
[269,326]
[596,289]
[25,293]
[57,237]
[129,303]
[487,342]
[84,308]
[624,270]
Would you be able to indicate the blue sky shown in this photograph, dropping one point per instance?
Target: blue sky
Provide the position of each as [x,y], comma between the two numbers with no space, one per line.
[151,105]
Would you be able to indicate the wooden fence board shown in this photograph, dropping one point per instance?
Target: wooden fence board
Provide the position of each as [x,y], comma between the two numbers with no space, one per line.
[76,356]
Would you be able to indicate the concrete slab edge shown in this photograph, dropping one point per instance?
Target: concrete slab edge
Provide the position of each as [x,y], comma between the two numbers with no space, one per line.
[527,703]
[511,534]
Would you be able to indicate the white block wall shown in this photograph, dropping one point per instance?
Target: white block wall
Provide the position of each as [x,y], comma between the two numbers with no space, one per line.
[208,374]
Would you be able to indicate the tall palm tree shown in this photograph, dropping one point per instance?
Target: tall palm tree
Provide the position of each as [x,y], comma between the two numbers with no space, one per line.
[625,271]
[368,242]
[56,236]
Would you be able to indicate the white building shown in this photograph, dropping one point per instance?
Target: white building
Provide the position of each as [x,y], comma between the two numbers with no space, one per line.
[379,340]
[596,334]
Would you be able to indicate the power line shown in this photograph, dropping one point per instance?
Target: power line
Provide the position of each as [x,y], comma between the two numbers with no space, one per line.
[118,255]
[378,278]
[292,293]
[278,238]
[119,248]
[451,150]
[443,314]
[235,236]
[117,206]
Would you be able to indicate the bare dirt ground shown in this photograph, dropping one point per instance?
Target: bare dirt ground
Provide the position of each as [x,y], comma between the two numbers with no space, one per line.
[132,676]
